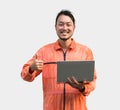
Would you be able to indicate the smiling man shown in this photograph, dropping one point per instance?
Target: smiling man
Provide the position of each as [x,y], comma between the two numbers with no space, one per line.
[43,61]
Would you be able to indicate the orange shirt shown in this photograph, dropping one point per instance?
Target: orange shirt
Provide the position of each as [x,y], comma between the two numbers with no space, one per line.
[52,91]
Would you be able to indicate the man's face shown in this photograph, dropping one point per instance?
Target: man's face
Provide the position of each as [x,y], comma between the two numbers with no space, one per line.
[64,27]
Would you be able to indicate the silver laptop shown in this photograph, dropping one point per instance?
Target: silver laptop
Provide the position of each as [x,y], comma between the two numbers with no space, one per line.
[81,70]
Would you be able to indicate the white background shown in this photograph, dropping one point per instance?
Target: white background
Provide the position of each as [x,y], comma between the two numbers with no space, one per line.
[26,25]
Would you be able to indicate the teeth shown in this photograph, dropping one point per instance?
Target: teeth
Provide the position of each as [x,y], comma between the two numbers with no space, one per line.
[64,32]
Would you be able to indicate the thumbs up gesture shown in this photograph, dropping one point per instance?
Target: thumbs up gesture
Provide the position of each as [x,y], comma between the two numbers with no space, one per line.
[36,65]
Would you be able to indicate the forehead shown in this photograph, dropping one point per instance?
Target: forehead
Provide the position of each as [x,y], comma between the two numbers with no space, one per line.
[64,18]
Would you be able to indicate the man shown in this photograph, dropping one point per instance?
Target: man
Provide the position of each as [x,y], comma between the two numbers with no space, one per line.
[43,61]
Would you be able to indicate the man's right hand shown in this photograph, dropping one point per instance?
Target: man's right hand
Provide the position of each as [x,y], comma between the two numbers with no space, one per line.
[36,65]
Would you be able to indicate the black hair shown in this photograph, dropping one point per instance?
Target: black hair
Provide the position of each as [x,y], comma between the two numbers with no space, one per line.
[67,13]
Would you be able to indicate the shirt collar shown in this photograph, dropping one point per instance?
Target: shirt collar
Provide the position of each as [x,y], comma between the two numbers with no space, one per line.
[58,47]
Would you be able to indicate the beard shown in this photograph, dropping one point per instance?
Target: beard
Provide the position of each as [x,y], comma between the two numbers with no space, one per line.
[65,39]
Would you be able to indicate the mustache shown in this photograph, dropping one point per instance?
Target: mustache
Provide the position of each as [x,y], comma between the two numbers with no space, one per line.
[62,31]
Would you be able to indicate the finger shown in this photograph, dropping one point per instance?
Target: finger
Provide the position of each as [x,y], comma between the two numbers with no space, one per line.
[34,59]
[39,67]
[75,80]
[35,56]
[35,62]
[38,62]
[69,79]
[85,81]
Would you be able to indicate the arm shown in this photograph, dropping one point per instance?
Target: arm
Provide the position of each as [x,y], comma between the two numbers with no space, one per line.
[31,69]
[85,88]
[90,86]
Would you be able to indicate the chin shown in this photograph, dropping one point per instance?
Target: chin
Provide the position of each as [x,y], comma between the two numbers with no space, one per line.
[64,38]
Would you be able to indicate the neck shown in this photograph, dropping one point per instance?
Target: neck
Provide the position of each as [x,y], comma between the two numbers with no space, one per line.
[65,44]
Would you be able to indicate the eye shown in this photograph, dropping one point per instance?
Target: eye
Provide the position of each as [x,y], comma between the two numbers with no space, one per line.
[69,24]
[60,24]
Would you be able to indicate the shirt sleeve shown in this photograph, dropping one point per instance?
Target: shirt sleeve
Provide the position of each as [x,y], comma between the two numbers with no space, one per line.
[89,87]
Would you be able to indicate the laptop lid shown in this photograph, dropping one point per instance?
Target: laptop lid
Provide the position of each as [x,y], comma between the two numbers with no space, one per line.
[81,70]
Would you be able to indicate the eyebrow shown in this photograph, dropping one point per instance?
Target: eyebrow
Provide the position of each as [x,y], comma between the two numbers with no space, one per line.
[64,22]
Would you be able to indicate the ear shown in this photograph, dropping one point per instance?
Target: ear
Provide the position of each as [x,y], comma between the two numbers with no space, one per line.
[74,26]
[55,27]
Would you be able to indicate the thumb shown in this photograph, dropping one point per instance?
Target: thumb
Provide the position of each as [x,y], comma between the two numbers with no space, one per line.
[35,57]
[34,60]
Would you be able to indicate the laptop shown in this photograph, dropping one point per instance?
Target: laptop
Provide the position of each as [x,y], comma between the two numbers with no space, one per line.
[81,70]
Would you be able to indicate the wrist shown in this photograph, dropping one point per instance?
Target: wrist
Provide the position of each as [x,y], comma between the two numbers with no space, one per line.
[82,88]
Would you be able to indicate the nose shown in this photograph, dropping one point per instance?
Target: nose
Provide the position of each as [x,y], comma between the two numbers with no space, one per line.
[64,26]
